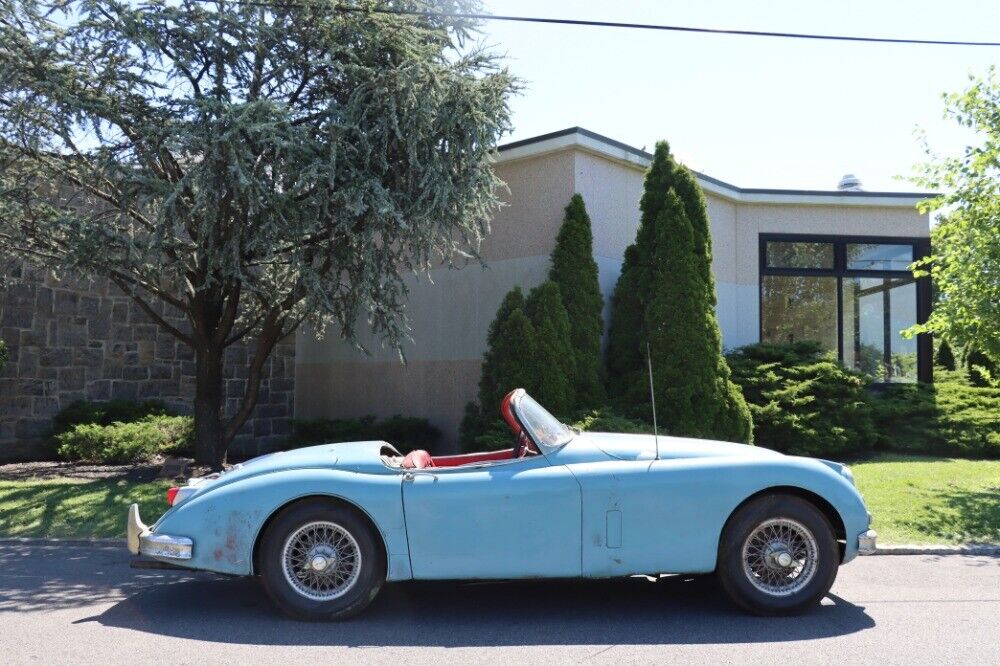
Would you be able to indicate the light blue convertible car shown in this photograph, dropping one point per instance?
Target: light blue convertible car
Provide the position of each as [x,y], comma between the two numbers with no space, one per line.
[324,527]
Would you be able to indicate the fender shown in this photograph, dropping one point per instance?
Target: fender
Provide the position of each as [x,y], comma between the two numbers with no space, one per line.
[225,522]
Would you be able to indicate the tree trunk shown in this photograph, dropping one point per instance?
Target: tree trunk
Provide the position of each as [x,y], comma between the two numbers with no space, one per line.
[210,444]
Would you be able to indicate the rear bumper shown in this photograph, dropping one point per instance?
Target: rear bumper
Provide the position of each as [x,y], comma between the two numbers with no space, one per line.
[866,542]
[143,541]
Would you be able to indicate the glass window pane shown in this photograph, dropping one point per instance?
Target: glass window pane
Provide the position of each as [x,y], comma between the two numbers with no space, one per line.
[876,311]
[799,255]
[796,308]
[878,257]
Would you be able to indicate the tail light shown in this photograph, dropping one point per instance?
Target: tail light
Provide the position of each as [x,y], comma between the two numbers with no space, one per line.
[172,495]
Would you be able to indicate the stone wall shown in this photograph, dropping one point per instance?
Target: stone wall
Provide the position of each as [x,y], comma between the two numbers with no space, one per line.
[83,339]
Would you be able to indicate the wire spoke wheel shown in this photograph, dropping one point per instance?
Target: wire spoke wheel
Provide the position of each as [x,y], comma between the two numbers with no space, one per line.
[780,557]
[321,560]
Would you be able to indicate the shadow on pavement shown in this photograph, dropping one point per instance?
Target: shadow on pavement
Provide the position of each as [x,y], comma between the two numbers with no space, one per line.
[449,614]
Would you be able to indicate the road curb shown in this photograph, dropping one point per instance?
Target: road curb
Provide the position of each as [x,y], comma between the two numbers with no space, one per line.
[68,541]
[983,549]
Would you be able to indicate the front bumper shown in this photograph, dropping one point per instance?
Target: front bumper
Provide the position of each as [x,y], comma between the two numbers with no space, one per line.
[143,541]
[866,542]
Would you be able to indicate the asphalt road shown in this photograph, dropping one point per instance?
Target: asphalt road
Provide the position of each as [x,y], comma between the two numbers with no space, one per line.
[84,605]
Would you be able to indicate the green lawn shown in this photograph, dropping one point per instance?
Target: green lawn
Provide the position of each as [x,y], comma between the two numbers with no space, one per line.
[61,508]
[914,500]
[921,500]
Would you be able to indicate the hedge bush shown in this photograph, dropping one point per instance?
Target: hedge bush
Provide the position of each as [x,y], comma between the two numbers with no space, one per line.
[804,402]
[949,417]
[106,413]
[119,443]
[605,419]
[3,354]
[404,432]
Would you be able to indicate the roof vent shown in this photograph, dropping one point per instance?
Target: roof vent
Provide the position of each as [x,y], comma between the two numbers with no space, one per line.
[849,183]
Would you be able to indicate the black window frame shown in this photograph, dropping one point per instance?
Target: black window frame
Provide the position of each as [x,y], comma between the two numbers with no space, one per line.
[921,248]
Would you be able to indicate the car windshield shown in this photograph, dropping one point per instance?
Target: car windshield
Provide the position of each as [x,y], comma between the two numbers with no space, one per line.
[546,429]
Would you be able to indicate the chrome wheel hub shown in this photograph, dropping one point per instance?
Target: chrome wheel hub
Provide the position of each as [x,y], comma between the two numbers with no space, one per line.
[780,557]
[321,560]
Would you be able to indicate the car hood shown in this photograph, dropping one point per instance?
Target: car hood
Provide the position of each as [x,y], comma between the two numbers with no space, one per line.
[595,446]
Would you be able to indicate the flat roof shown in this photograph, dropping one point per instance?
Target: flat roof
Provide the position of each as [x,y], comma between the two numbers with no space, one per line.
[584,139]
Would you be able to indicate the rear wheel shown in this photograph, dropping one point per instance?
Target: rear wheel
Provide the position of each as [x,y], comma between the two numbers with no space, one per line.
[778,556]
[321,560]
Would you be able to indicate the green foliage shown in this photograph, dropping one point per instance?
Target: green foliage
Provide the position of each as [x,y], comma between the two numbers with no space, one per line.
[575,271]
[529,347]
[249,166]
[979,368]
[665,298]
[552,365]
[605,419]
[948,417]
[404,432]
[118,443]
[802,401]
[106,413]
[3,354]
[944,357]
[965,244]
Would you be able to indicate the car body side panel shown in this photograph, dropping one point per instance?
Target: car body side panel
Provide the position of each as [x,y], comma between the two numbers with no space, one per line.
[667,516]
[224,522]
[519,519]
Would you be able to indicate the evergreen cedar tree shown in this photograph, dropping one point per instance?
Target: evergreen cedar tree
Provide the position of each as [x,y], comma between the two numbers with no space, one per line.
[666,297]
[945,358]
[247,167]
[575,271]
[979,367]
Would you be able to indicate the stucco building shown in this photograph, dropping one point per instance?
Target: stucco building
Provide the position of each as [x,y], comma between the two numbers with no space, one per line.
[788,264]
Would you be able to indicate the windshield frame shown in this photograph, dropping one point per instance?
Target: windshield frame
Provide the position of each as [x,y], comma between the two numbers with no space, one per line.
[543,446]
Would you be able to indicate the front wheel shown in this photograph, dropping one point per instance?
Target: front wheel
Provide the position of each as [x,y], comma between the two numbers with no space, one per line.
[321,560]
[778,556]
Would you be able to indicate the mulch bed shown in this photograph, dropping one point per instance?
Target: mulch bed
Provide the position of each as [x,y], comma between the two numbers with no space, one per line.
[69,471]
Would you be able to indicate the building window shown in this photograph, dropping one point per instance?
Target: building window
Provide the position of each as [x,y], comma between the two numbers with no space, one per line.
[852,296]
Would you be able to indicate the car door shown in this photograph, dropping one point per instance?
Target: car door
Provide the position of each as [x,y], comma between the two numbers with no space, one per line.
[516,519]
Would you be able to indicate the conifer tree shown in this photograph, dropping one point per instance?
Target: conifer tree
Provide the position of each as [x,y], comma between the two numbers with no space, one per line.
[575,271]
[666,297]
[945,358]
[553,362]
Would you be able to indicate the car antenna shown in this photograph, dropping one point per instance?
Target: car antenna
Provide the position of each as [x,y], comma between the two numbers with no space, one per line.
[652,398]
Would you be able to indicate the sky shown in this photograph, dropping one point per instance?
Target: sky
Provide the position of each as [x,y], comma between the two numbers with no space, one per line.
[752,111]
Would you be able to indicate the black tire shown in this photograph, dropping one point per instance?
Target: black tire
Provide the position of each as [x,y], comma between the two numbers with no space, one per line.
[744,586]
[355,596]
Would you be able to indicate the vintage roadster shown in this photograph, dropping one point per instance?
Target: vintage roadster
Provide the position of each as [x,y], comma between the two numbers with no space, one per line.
[324,527]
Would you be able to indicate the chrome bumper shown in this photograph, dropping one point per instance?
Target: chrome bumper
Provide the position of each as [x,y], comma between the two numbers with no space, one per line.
[866,542]
[142,541]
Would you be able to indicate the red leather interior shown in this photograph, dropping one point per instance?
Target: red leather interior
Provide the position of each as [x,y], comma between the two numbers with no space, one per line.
[417,459]
[507,412]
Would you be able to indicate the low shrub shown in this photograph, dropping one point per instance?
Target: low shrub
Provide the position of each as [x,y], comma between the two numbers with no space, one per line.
[106,413]
[949,417]
[404,432]
[118,443]
[605,419]
[803,401]
[3,354]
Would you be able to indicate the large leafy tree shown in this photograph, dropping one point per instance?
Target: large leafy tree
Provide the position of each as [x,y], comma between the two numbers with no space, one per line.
[666,296]
[965,254]
[247,166]
[575,272]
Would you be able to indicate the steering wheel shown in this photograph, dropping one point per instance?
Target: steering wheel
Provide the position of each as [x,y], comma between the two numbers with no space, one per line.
[522,446]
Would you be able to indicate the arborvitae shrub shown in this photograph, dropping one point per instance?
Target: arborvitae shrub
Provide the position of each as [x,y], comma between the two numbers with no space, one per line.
[575,271]
[944,356]
[666,297]
[552,368]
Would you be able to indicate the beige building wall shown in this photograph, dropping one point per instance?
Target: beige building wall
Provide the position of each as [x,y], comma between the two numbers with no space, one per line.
[451,310]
